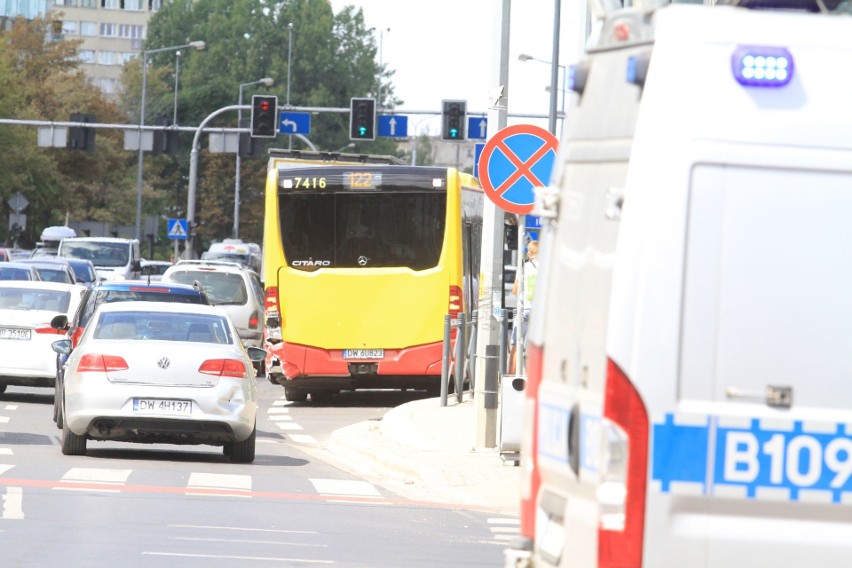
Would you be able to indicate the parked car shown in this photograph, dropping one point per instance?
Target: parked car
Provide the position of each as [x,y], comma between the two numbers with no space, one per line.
[160,373]
[26,309]
[18,271]
[18,254]
[114,258]
[236,289]
[52,269]
[110,291]
[4,255]
[153,270]
[84,270]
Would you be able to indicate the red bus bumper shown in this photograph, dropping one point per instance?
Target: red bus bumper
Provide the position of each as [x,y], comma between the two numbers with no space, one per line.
[302,361]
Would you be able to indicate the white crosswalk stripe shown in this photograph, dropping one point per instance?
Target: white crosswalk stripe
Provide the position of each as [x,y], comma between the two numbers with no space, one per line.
[504,528]
[101,476]
[227,481]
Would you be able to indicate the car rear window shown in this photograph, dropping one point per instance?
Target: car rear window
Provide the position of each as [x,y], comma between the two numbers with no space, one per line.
[162,295]
[222,288]
[161,326]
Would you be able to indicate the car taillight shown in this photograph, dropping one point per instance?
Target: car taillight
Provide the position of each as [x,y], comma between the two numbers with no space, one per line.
[270,305]
[45,329]
[254,319]
[530,477]
[624,470]
[97,363]
[224,368]
[455,301]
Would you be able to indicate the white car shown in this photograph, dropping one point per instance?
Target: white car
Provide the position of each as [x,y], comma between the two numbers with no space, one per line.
[227,284]
[26,308]
[156,372]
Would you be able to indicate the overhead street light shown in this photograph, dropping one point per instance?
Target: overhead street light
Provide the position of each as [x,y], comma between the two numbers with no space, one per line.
[266,82]
[552,116]
[197,45]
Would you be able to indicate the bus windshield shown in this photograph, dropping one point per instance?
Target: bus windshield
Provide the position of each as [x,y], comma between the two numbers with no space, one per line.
[351,230]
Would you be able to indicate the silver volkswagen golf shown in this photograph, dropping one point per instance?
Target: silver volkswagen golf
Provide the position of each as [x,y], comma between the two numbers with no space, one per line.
[160,373]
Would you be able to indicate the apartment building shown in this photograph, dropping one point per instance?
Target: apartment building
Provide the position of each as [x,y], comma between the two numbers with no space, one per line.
[113,32]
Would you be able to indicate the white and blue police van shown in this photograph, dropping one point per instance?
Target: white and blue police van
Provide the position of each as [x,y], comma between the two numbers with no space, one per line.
[689,395]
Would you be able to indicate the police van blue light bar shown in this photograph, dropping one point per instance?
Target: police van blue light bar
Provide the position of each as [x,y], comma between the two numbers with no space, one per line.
[762,66]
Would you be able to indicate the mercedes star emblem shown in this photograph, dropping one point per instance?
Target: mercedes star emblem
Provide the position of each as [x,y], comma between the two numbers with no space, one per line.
[362,260]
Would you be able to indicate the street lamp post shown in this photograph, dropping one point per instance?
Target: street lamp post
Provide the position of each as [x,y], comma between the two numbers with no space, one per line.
[552,115]
[197,45]
[177,75]
[266,81]
[289,60]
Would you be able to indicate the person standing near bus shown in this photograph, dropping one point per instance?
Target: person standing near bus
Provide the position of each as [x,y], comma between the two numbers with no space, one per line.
[530,274]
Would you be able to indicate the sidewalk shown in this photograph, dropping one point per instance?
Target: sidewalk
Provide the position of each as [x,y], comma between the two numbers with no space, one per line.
[431,449]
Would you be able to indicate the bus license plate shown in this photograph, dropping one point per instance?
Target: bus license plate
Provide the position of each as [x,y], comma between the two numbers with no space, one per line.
[15,333]
[162,406]
[363,353]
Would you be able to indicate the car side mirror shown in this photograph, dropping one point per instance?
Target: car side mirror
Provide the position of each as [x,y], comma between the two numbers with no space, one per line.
[137,265]
[63,346]
[147,270]
[256,354]
[59,322]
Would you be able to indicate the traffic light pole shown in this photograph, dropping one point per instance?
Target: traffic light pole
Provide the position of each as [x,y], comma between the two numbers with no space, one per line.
[189,252]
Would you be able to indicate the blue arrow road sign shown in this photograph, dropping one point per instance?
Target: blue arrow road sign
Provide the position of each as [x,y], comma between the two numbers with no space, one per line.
[393,125]
[177,229]
[477,127]
[294,123]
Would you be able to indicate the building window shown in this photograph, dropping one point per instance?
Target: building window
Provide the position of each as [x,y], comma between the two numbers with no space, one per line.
[130,31]
[69,28]
[89,29]
[86,56]
[109,30]
[106,85]
[72,3]
[111,4]
[107,58]
[133,5]
[154,5]
[126,56]
[88,3]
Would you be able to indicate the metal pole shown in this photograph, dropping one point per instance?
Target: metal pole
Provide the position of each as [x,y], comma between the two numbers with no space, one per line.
[472,352]
[445,360]
[193,180]
[554,68]
[459,356]
[289,59]
[236,230]
[520,326]
[141,152]
[177,75]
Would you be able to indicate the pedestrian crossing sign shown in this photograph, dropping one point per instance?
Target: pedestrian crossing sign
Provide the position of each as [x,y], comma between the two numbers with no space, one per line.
[177,229]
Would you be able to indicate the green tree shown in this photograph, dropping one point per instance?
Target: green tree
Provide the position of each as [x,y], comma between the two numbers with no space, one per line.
[333,58]
[40,80]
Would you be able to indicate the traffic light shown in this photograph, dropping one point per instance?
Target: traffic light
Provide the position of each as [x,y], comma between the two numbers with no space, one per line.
[362,119]
[453,119]
[80,137]
[264,116]
[165,141]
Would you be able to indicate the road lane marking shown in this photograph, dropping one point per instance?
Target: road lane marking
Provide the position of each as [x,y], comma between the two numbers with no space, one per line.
[278,410]
[225,481]
[4,419]
[94,479]
[280,403]
[304,439]
[4,468]
[344,487]
[10,407]
[247,541]
[221,528]
[284,417]
[13,503]
[5,451]
[289,426]
[258,558]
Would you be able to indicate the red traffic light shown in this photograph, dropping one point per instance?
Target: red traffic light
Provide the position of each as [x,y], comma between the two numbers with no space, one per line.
[264,105]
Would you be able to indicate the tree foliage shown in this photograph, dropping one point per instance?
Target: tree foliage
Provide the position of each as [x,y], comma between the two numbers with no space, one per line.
[321,62]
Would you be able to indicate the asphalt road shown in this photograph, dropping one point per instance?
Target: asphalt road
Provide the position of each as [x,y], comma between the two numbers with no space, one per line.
[141,505]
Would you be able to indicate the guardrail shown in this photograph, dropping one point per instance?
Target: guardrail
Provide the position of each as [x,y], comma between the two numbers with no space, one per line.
[458,361]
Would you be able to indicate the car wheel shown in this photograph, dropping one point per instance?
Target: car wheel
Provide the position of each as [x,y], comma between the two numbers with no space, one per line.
[2,389]
[57,410]
[242,452]
[295,395]
[72,444]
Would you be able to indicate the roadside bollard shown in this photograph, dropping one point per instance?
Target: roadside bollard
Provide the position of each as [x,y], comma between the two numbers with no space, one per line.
[492,359]
[445,361]
[471,352]
[459,355]
[504,340]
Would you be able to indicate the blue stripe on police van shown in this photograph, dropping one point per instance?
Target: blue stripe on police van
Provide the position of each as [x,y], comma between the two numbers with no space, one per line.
[754,459]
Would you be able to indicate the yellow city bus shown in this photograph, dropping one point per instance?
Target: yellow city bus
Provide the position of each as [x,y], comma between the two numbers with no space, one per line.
[362,262]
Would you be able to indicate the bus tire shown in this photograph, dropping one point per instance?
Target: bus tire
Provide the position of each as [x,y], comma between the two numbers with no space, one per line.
[295,395]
